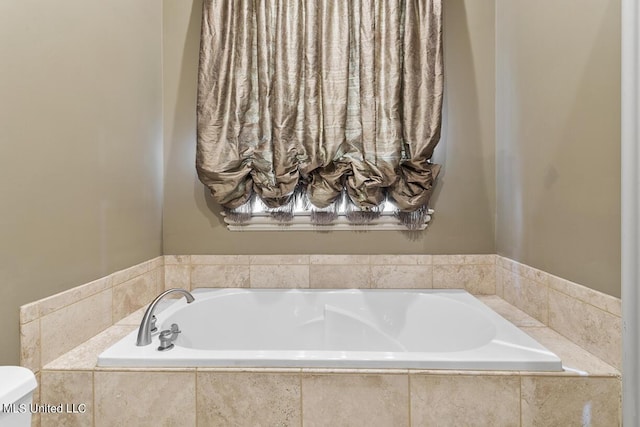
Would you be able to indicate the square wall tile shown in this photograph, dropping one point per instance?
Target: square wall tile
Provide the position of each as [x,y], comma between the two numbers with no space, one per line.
[177,276]
[69,388]
[70,326]
[145,398]
[401,276]
[219,276]
[279,276]
[355,400]
[248,399]
[465,400]
[528,295]
[135,293]
[571,401]
[339,276]
[477,279]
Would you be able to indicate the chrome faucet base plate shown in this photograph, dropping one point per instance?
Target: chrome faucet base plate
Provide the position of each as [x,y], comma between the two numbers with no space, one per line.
[169,347]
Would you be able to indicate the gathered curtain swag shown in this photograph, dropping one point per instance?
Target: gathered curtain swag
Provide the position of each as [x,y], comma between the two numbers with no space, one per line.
[324,100]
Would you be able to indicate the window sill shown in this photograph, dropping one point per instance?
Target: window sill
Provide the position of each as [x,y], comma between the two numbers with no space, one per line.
[302,222]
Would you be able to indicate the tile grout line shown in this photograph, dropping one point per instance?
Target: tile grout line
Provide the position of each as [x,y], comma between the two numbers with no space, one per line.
[520,396]
[409,398]
[429,277]
[93,392]
[301,399]
[196,395]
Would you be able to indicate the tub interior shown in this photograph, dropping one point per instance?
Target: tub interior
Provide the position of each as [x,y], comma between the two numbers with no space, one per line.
[327,320]
[351,328]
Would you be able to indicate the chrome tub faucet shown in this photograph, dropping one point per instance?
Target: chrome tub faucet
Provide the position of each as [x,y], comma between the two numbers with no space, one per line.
[144,333]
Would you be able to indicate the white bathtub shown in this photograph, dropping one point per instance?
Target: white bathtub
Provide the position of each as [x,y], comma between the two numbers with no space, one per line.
[427,329]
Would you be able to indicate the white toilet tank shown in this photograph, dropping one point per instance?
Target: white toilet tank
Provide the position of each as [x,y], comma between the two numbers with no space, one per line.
[16,392]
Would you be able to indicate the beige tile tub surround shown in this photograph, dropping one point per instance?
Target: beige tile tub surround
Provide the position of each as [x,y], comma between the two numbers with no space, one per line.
[334,397]
[52,326]
[30,345]
[330,397]
[548,308]
[476,273]
[147,398]
[67,387]
[589,318]
[47,326]
[64,329]
[248,398]
[555,401]
[457,400]
[219,276]
[355,400]
[590,327]
[579,313]
[279,276]
[136,292]
[85,356]
[177,276]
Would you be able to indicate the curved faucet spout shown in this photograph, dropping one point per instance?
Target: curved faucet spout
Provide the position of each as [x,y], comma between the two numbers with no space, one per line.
[144,333]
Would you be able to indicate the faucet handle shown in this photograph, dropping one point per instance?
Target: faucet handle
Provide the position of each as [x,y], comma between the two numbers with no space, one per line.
[165,340]
[165,335]
[168,336]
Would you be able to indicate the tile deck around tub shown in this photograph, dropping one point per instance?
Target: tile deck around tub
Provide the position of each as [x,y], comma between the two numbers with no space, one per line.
[575,359]
[308,396]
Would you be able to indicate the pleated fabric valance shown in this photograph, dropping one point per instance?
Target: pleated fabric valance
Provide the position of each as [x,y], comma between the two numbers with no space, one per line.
[325,101]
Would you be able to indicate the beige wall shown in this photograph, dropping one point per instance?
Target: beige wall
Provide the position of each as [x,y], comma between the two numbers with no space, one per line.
[465,197]
[82,91]
[558,137]
[80,146]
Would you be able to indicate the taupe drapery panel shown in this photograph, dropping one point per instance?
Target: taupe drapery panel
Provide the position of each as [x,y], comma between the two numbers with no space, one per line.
[324,95]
